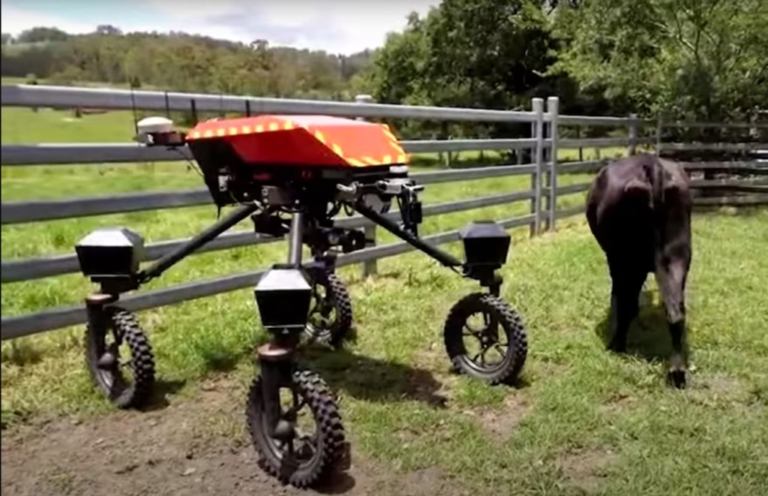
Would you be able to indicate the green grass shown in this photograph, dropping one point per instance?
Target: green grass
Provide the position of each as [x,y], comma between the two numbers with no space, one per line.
[584,418]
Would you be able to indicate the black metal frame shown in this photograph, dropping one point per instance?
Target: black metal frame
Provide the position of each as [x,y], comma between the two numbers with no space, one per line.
[306,227]
[277,358]
[311,224]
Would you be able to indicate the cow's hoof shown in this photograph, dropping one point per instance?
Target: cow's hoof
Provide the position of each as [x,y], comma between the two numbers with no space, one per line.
[617,347]
[677,377]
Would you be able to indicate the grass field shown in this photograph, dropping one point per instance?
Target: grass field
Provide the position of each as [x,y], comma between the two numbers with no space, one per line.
[583,421]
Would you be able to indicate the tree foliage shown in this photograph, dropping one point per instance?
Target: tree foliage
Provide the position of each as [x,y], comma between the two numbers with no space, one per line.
[683,59]
[690,59]
[699,60]
[178,61]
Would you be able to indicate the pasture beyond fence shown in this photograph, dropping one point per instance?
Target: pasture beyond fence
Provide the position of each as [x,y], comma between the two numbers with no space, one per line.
[544,170]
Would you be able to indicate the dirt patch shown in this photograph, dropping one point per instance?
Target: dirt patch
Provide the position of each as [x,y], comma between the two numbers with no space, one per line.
[501,423]
[432,357]
[546,368]
[430,481]
[425,387]
[180,450]
[618,402]
[712,389]
[720,385]
[585,468]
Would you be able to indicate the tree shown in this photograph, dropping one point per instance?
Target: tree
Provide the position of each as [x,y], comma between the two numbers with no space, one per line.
[468,53]
[182,62]
[108,30]
[688,59]
[42,35]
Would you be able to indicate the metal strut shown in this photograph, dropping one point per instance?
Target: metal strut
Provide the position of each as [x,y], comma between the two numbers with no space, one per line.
[444,258]
[295,239]
[170,259]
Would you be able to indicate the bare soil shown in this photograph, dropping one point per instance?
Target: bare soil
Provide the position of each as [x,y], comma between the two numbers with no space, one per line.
[172,452]
[584,468]
[500,424]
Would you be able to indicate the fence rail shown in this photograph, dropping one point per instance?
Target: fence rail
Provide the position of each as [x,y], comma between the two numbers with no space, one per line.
[126,153]
[111,99]
[24,270]
[543,195]
[15,327]
[43,210]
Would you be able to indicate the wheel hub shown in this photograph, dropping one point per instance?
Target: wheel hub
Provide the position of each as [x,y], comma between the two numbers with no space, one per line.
[107,361]
[487,340]
[285,430]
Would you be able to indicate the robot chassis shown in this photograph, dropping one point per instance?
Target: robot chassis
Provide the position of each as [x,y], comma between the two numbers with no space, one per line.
[276,165]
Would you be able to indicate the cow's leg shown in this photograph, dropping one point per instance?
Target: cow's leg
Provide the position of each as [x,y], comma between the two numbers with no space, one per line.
[671,280]
[625,295]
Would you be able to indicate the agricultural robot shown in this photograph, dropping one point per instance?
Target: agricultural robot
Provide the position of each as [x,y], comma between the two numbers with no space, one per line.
[292,176]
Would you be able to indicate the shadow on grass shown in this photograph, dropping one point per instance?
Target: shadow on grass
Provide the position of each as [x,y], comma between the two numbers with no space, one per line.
[222,361]
[371,379]
[160,393]
[339,483]
[220,356]
[21,354]
[648,336]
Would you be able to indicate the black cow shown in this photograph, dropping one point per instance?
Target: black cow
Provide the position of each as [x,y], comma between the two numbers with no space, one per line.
[639,210]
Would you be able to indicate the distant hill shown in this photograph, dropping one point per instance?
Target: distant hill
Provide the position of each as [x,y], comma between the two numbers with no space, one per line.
[183,62]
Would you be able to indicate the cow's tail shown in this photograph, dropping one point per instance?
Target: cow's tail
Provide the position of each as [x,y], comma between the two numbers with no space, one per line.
[641,187]
[648,187]
[655,174]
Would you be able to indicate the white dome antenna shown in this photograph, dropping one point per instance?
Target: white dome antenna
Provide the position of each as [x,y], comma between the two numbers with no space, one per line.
[156,131]
[152,125]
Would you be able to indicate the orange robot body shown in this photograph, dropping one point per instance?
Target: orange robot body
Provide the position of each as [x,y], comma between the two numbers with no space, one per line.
[303,140]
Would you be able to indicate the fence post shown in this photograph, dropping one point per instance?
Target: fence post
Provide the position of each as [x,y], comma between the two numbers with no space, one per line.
[581,150]
[369,266]
[537,105]
[658,136]
[633,132]
[553,109]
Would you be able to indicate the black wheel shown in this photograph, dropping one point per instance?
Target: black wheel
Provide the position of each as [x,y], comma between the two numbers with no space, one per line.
[498,333]
[330,315]
[305,456]
[127,383]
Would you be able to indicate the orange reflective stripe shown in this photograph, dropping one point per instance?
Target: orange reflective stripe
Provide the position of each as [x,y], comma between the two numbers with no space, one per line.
[388,131]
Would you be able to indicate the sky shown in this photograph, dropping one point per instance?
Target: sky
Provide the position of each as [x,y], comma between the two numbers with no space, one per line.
[337,26]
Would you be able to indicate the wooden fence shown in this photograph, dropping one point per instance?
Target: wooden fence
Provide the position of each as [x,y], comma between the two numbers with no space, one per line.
[544,170]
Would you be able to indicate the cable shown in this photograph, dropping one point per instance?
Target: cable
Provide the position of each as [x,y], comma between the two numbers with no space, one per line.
[133,112]
[192,164]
